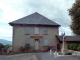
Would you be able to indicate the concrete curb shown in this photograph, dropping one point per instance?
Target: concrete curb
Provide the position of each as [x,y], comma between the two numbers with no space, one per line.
[65,55]
[32,57]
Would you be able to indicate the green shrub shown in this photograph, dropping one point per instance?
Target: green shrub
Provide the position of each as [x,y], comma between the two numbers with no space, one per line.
[69,53]
[73,46]
[1,46]
[27,46]
[7,46]
[78,48]
[22,49]
[16,52]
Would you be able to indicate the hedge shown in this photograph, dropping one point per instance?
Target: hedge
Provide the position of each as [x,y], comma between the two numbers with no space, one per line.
[74,46]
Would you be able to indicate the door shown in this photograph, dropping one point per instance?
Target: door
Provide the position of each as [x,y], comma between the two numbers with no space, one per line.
[36,45]
[58,47]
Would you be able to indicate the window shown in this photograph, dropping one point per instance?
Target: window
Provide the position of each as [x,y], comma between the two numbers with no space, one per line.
[36,30]
[27,30]
[27,41]
[45,30]
[45,42]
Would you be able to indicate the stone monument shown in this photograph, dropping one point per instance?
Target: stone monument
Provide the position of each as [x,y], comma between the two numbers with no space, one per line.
[64,47]
[64,44]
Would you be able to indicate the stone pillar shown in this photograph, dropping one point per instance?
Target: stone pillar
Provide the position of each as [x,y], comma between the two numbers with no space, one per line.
[64,48]
[55,54]
[50,52]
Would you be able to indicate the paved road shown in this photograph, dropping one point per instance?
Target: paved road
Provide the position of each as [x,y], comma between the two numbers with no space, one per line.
[25,56]
[37,56]
[47,56]
[52,57]
[28,56]
[5,58]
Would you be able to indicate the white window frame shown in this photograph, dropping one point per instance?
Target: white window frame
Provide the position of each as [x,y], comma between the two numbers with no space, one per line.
[36,30]
[45,30]
[27,30]
[46,42]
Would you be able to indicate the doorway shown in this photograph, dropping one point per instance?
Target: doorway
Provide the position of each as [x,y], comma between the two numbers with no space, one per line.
[36,44]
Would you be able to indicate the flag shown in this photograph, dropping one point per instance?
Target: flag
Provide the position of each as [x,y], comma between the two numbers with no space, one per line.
[63,36]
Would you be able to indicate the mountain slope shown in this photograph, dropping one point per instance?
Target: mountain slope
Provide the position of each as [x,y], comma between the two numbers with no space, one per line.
[3,41]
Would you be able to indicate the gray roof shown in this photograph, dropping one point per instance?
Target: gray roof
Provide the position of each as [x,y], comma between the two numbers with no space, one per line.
[34,19]
[70,38]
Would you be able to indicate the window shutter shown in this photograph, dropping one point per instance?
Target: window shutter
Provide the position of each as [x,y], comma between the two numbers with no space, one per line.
[45,31]
[36,30]
[28,41]
[45,42]
[27,30]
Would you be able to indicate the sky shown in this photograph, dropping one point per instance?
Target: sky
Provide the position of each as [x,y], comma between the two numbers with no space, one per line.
[55,10]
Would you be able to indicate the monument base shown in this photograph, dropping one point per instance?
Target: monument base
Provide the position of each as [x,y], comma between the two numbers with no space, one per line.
[64,48]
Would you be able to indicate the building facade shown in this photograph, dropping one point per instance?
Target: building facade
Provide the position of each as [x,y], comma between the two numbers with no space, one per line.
[36,30]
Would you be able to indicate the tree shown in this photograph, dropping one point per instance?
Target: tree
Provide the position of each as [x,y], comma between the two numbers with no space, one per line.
[7,46]
[1,46]
[74,12]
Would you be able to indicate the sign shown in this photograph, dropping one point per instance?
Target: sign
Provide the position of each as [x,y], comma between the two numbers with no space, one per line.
[36,36]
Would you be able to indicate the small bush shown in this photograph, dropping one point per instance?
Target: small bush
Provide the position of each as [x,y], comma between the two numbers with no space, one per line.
[1,46]
[7,46]
[16,52]
[69,53]
[22,49]
[74,46]
[78,48]
[27,46]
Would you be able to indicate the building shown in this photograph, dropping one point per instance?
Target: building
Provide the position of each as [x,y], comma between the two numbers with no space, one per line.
[35,29]
[38,31]
[70,39]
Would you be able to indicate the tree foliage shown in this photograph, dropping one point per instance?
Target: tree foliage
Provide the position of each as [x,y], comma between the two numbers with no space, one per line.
[73,46]
[1,46]
[7,46]
[74,12]
[4,46]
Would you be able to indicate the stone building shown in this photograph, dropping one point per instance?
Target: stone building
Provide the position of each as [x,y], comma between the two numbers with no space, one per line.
[38,31]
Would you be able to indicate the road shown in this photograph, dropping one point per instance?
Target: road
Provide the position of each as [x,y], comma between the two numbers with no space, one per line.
[37,56]
[5,58]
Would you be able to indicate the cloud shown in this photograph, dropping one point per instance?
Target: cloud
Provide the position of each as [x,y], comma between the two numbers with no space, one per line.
[9,13]
[67,30]
[5,33]
[53,10]
[56,10]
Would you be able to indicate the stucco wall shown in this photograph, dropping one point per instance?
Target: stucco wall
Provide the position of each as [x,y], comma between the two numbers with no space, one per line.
[19,36]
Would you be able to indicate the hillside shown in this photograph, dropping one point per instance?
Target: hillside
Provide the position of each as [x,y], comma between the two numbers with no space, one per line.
[3,41]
